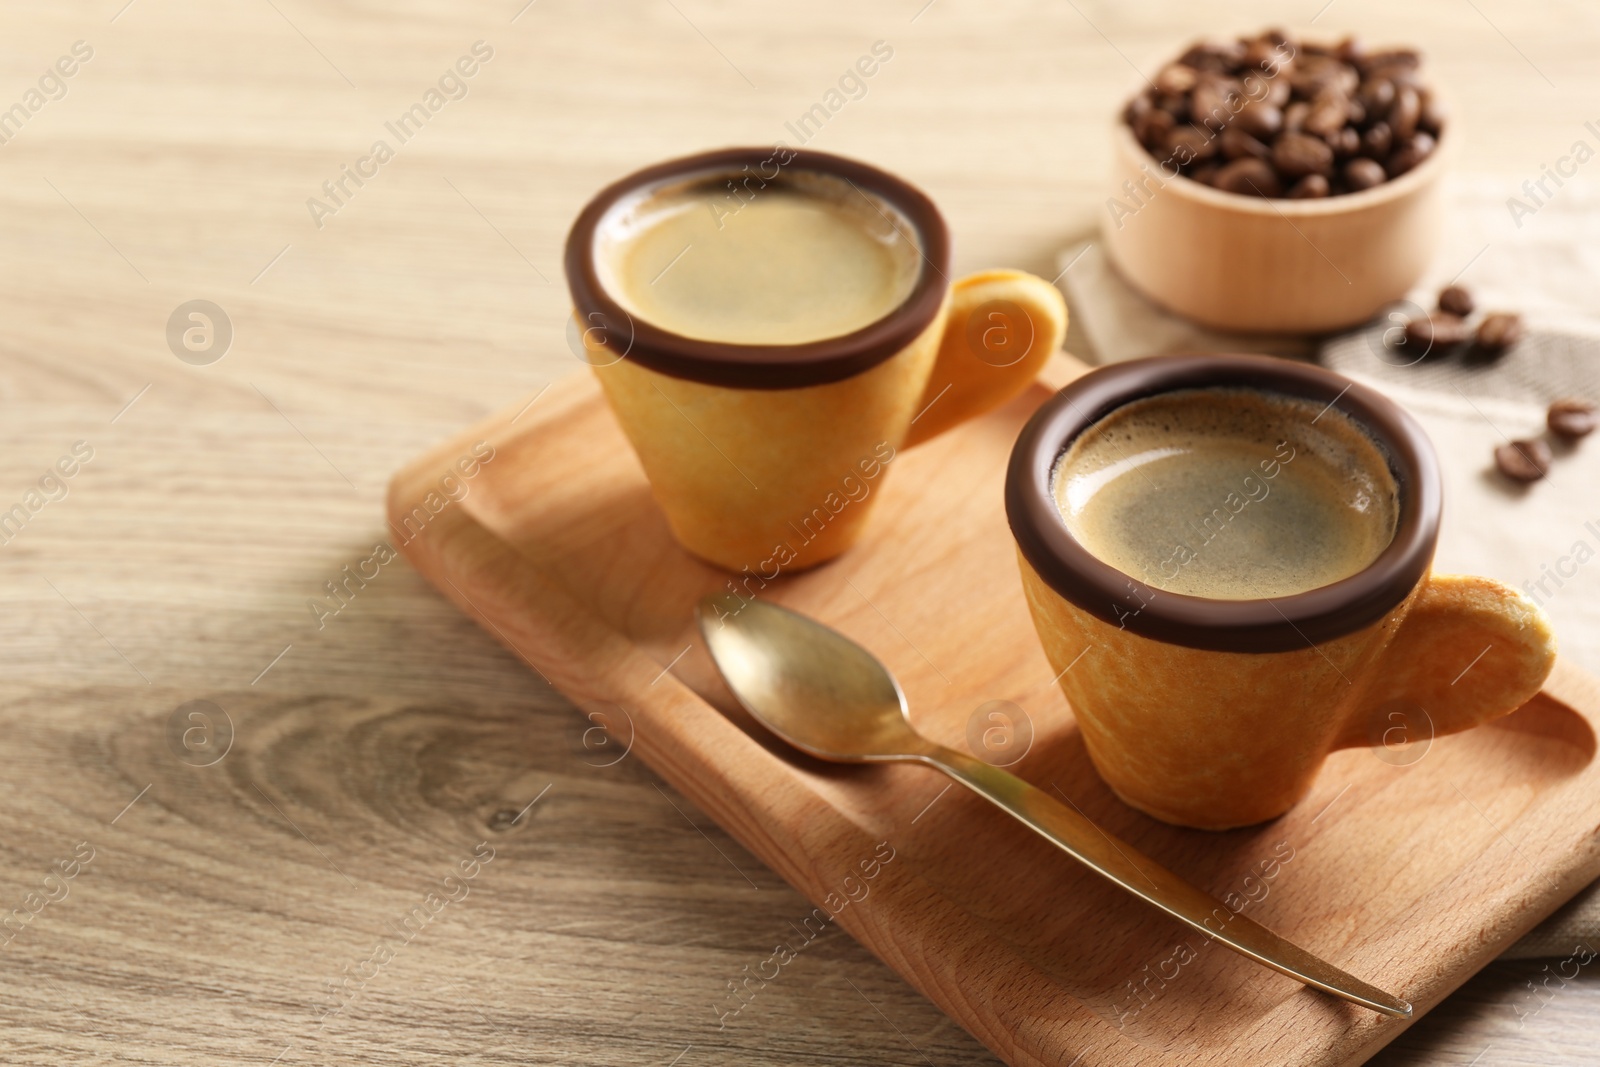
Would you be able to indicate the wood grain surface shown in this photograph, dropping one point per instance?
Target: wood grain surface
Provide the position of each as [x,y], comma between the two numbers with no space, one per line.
[373,753]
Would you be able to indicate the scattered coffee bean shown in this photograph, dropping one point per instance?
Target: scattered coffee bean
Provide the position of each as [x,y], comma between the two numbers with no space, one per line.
[1523,461]
[1438,330]
[1499,330]
[1307,108]
[1456,300]
[1573,417]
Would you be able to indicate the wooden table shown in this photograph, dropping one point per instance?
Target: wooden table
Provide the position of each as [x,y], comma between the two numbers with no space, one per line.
[232,898]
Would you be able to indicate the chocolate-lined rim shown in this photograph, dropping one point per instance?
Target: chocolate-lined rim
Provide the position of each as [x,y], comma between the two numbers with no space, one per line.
[763,366]
[1272,625]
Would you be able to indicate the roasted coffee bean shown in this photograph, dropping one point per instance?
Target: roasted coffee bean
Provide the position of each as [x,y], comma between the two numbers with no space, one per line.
[1330,110]
[1456,300]
[1499,330]
[1312,71]
[1345,143]
[1189,144]
[1262,55]
[1219,57]
[1308,108]
[1259,120]
[1523,461]
[1236,144]
[1363,173]
[1215,101]
[1573,417]
[1404,112]
[1311,187]
[1378,141]
[1296,155]
[1409,155]
[1438,330]
[1249,176]
[1408,58]
[1176,78]
[1176,105]
[1402,76]
[1153,127]
[1376,95]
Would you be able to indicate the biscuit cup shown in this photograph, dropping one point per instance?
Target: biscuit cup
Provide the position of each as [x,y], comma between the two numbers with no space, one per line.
[767,458]
[1218,713]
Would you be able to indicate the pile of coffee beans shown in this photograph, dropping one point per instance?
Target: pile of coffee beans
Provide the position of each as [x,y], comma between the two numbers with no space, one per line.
[1274,117]
[1447,326]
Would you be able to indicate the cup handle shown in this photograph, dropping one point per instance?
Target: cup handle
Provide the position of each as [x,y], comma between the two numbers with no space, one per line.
[1469,651]
[1002,327]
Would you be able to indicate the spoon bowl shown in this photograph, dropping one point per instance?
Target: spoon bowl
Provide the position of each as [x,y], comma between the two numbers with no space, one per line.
[812,686]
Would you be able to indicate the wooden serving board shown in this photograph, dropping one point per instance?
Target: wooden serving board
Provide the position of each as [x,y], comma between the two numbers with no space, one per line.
[1411,876]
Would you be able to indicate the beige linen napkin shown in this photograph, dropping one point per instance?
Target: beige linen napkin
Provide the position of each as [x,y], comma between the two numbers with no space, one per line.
[1548,268]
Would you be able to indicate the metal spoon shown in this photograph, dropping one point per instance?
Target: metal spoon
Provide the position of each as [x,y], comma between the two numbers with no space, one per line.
[826,695]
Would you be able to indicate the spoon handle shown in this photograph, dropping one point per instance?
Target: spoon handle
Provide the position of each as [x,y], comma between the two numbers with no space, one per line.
[1144,878]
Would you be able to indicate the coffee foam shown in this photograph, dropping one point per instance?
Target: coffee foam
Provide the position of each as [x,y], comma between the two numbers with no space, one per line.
[1228,493]
[801,258]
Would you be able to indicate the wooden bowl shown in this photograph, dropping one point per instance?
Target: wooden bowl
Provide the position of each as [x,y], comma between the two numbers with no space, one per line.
[1248,264]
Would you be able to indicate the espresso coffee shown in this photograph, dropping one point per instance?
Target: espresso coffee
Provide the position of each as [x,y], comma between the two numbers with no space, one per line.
[1228,493]
[784,264]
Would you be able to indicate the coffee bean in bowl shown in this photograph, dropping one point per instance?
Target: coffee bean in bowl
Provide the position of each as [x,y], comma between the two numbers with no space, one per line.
[1276,185]
[1352,118]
